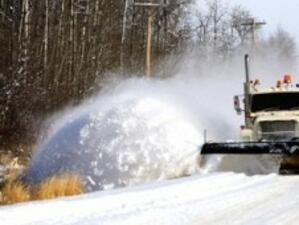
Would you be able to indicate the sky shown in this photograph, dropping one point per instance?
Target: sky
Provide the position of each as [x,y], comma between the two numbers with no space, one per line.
[283,13]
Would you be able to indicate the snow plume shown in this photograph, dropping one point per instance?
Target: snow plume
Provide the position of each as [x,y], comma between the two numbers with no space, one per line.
[135,132]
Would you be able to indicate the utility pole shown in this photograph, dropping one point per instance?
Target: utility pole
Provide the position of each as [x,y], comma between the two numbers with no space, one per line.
[149,46]
[123,38]
[151,6]
[253,24]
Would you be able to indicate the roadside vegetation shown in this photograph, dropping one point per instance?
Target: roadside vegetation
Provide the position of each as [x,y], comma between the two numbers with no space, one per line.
[14,190]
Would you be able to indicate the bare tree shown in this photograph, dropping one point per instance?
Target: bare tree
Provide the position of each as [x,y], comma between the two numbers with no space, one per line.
[58,50]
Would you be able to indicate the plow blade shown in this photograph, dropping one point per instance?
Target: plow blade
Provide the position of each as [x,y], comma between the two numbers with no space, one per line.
[251,148]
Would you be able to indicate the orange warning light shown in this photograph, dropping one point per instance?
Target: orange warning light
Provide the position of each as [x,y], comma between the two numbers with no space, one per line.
[287,79]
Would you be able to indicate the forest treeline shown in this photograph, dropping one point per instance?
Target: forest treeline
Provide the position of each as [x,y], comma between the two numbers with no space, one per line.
[57,52]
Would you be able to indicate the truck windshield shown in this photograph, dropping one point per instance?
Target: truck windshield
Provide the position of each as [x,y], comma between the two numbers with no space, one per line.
[275,101]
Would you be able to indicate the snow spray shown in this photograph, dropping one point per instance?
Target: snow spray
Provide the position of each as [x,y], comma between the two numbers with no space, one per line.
[136,132]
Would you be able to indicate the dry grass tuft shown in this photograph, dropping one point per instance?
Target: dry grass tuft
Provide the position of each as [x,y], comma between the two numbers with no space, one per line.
[14,192]
[58,186]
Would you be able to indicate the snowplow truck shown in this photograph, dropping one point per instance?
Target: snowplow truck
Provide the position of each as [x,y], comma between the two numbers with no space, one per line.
[271,123]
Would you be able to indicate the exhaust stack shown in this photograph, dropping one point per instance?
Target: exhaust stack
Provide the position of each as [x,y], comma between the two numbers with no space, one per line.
[247,91]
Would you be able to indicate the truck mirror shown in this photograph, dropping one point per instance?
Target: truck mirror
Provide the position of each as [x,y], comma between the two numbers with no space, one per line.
[237,105]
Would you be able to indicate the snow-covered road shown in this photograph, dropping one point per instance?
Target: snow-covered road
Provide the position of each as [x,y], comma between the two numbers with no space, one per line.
[219,198]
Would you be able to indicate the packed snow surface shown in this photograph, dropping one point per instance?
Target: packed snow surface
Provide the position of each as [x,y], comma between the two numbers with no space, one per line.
[218,198]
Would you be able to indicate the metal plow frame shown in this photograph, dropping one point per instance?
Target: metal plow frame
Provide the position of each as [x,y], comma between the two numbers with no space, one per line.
[288,150]
[252,148]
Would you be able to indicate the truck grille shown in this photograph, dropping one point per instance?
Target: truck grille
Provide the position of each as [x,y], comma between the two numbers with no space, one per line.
[277,130]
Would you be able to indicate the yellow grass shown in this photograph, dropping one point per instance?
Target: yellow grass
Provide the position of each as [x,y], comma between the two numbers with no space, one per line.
[14,192]
[58,186]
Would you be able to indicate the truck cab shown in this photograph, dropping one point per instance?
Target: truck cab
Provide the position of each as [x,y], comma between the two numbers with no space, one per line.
[271,127]
[273,113]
